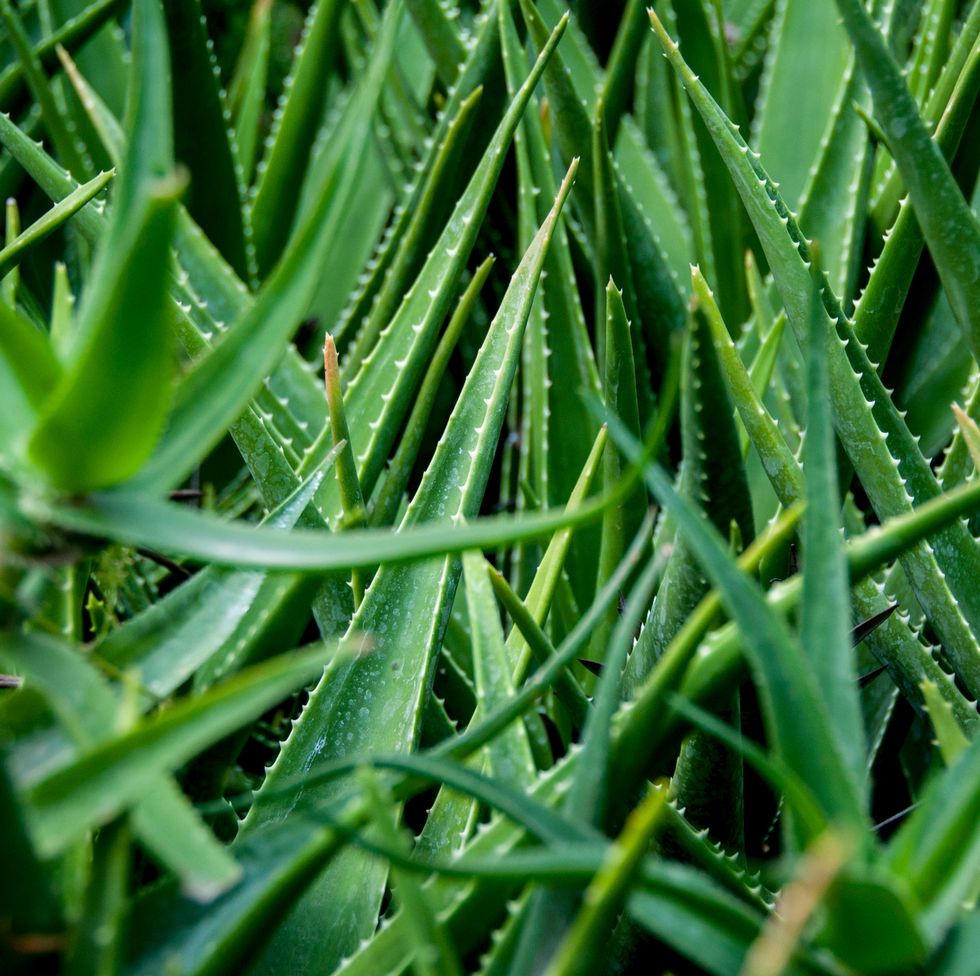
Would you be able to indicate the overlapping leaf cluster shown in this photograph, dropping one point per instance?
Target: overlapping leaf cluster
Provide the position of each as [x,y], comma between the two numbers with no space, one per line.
[500,499]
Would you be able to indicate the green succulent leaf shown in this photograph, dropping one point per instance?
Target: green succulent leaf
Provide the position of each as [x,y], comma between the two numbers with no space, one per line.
[52,220]
[951,229]
[112,776]
[102,420]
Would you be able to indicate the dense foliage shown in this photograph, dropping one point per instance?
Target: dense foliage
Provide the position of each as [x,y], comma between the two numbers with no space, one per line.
[489,490]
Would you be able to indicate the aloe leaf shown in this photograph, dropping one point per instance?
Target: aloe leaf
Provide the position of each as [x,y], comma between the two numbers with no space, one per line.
[750,20]
[777,774]
[379,393]
[203,142]
[970,433]
[795,713]
[112,776]
[540,820]
[951,229]
[212,395]
[172,831]
[647,707]
[584,69]
[937,850]
[389,494]
[277,866]
[90,711]
[800,92]
[591,798]
[715,858]
[610,887]
[894,645]
[113,396]
[894,473]
[489,860]
[12,253]
[441,37]
[826,604]
[72,104]
[215,622]
[930,48]
[957,461]
[33,906]
[422,208]
[530,415]
[656,117]
[73,33]
[878,546]
[402,252]
[759,298]
[107,369]
[473,739]
[526,629]
[546,580]
[223,296]
[958,953]
[654,284]
[403,611]
[11,280]
[58,128]
[639,168]
[351,499]
[668,900]
[877,312]
[469,909]
[713,470]
[707,779]
[874,906]
[84,706]
[950,736]
[697,917]
[761,371]
[836,190]
[621,523]
[413,80]
[562,337]
[435,953]
[362,226]
[31,371]
[509,756]
[297,118]
[240,912]
[938,370]
[621,66]
[246,91]
[717,218]
[104,58]
[107,135]
[613,264]
[96,946]
[888,184]
[537,683]
[715,668]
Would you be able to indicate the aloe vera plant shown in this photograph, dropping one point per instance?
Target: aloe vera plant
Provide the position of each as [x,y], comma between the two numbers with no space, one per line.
[489,487]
